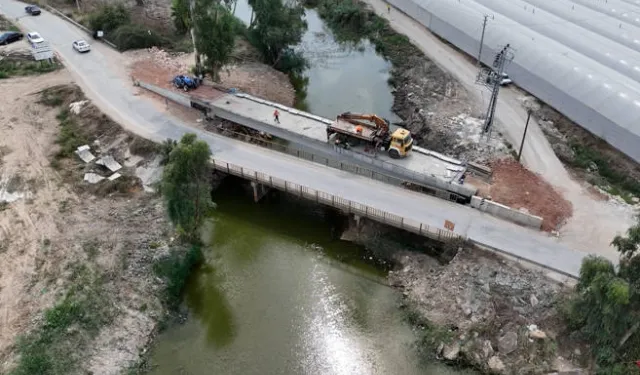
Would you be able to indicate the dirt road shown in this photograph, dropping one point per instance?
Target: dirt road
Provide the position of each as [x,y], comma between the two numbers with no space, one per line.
[594,222]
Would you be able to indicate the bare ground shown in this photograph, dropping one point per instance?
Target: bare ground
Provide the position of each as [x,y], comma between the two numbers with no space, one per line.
[514,185]
[61,224]
[247,75]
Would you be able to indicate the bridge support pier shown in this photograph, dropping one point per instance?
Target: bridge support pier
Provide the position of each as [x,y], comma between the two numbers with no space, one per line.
[259,191]
[357,218]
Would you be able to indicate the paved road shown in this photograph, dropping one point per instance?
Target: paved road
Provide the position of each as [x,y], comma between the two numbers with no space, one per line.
[594,222]
[101,75]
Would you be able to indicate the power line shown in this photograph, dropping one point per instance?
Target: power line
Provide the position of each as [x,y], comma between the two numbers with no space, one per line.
[491,77]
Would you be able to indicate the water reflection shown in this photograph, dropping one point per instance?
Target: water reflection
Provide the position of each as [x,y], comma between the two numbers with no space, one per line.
[343,76]
[283,306]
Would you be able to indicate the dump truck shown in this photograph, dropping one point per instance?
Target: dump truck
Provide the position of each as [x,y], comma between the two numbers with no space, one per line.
[354,129]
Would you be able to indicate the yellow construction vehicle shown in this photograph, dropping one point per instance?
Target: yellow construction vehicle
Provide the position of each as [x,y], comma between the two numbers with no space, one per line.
[353,129]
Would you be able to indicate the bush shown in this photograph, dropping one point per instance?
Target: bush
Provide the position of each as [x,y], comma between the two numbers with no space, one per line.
[133,36]
[175,270]
[109,17]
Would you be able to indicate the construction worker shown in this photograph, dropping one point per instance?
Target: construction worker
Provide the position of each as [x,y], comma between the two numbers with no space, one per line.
[388,8]
[359,129]
[276,116]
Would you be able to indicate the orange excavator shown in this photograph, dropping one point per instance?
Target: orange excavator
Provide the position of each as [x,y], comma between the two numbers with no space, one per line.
[354,129]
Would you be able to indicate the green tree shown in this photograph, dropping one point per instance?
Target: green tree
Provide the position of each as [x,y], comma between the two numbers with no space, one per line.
[275,29]
[606,306]
[109,17]
[185,184]
[181,15]
[215,33]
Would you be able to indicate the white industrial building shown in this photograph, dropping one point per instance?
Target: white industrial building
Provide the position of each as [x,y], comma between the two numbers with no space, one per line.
[582,57]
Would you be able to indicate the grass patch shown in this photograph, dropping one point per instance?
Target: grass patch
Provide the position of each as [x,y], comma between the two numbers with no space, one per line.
[70,136]
[18,68]
[55,346]
[175,270]
[613,180]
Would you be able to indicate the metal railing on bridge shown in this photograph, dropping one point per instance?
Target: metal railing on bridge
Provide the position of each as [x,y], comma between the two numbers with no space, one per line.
[323,153]
[334,201]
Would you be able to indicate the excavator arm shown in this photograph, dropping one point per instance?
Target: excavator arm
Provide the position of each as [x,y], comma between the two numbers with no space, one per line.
[374,121]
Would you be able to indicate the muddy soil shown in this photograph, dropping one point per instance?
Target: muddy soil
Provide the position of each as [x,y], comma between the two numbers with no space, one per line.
[59,224]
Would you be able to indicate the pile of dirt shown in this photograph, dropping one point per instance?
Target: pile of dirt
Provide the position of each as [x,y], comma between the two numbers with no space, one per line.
[501,318]
[159,67]
[517,187]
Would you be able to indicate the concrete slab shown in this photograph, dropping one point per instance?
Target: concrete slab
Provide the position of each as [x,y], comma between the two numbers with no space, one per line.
[110,163]
[93,178]
[84,154]
[314,127]
[115,176]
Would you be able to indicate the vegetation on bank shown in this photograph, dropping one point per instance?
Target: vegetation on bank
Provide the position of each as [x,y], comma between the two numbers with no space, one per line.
[56,346]
[17,68]
[352,21]
[186,191]
[274,29]
[605,307]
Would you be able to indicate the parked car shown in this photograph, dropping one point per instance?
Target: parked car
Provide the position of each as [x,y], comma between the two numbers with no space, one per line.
[34,37]
[81,46]
[33,10]
[186,83]
[10,37]
[504,79]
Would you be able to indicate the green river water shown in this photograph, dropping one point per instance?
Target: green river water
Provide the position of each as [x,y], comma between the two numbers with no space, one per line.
[280,294]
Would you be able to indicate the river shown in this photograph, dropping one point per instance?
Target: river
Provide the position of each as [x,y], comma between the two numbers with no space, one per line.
[342,77]
[280,294]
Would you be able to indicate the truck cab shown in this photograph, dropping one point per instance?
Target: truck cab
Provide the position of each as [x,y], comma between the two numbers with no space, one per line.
[400,143]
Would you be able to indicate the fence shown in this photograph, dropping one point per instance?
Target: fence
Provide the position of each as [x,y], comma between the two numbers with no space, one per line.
[337,202]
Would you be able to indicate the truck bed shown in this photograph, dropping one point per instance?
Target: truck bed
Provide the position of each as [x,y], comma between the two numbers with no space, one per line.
[349,128]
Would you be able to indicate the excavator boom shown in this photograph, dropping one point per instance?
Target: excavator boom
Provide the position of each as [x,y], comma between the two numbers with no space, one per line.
[376,122]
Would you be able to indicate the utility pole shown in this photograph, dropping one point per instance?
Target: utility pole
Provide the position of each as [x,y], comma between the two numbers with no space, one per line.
[491,77]
[484,26]
[526,126]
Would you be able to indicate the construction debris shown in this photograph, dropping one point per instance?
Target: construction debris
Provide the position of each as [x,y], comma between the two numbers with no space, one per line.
[114,176]
[84,154]
[93,178]
[75,107]
[109,162]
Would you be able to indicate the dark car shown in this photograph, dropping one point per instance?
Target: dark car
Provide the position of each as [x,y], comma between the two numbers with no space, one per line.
[33,10]
[186,83]
[10,37]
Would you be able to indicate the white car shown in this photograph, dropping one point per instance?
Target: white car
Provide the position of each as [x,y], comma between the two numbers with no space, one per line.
[504,79]
[34,37]
[81,46]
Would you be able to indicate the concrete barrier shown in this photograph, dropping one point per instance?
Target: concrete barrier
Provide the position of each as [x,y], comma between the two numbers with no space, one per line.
[78,25]
[506,212]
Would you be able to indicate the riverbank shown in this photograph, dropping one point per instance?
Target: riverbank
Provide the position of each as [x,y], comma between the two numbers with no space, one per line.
[478,309]
[78,291]
[431,103]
